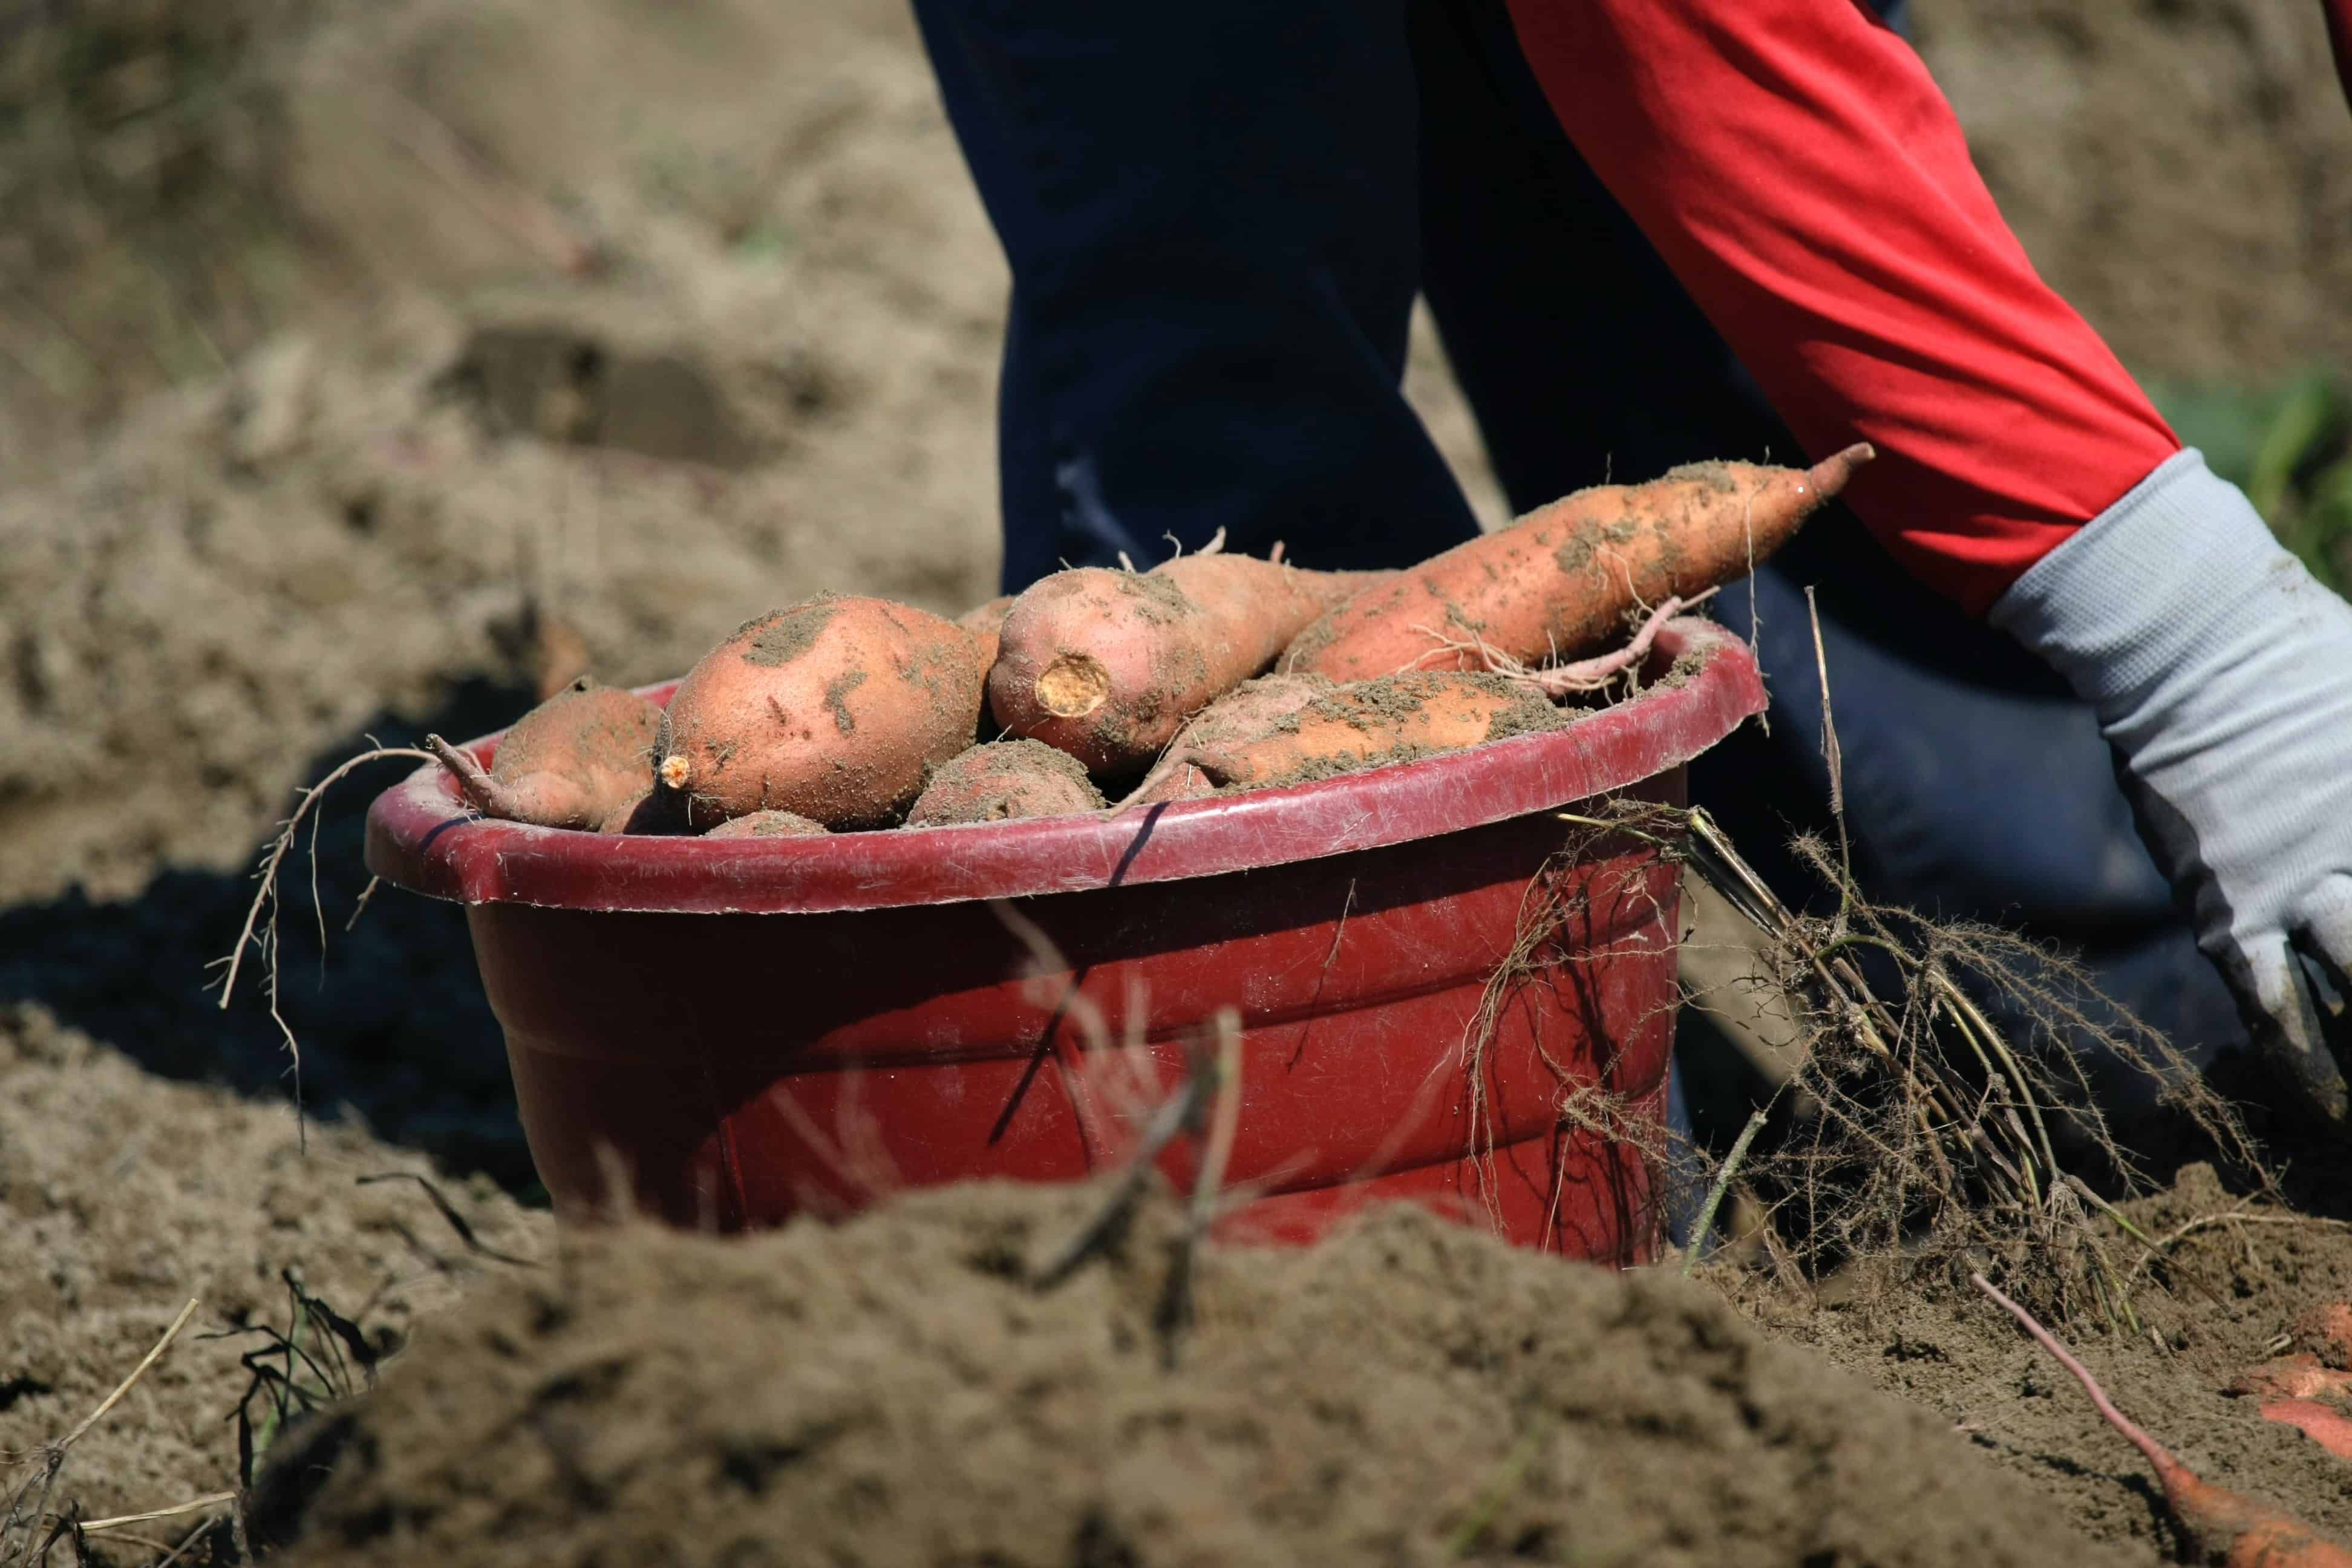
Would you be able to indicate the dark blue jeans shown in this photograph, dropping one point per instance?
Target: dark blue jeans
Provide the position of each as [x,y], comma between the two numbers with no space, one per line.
[1218,215]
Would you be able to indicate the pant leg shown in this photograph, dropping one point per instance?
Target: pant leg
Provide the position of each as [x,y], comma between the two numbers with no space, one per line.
[1582,357]
[1977,786]
[1209,213]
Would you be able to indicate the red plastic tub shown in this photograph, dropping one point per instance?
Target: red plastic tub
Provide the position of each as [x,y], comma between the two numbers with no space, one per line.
[749,1028]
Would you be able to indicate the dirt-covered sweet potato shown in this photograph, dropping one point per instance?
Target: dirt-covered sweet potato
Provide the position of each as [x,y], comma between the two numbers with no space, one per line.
[836,708]
[1251,711]
[1107,665]
[1365,725]
[768,825]
[571,762]
[1004,779]
[1563,579]
[986,623]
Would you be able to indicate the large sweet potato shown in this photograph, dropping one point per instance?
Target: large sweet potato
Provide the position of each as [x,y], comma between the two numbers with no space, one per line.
[1106,665]
[1563,579]
[1286,739]
[571,762]
[836,708]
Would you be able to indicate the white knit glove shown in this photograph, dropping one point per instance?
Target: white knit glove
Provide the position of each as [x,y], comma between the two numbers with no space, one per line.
[2222,672]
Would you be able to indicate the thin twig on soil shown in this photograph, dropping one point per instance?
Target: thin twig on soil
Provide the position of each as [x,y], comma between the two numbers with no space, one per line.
[1178,1110]
[2174,1238]
[188,1543]
[1831,756]
[48,1458]
[526,216]
[1175,1313]
[1507,1477]
[1723,1177]
[152,1357]
[210,1499]
[1224,1121]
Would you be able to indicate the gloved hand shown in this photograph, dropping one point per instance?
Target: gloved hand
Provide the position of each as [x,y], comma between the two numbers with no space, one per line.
[2222,672]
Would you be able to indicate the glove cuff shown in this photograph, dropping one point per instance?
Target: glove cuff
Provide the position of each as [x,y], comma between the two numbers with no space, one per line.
[2177,577]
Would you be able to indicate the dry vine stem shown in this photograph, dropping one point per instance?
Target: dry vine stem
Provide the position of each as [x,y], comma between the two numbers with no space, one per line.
[17,1526]
[1560,680]
[1931,1125]
[1543,948]
[257,933]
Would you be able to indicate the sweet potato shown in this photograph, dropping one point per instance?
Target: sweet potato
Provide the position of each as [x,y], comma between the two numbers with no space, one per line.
[1249,713]
[1107,665]
[1363,725]
[2302,1390]
[1564,578]
[571,762]
[2243,1532]
[986,623]
[768,825]
[2293,1377]
[649,811]
[836,708]
[2323,1423]
[1004,779]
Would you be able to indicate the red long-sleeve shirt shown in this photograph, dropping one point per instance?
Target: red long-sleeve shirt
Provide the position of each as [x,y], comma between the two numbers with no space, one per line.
[1807,182]
[2339,36]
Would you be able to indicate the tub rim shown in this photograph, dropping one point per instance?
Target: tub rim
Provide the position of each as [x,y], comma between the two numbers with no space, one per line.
[420,835]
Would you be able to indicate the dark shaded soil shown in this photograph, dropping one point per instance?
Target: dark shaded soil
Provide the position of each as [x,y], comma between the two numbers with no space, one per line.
[392,1020]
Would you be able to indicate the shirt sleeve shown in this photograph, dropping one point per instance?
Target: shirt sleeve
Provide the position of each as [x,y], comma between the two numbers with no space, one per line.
[1796,166]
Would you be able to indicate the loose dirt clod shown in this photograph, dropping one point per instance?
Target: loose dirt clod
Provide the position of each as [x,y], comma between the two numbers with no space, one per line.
[895,1389]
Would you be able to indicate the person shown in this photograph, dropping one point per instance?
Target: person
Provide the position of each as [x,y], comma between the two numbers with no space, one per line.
[2078,685]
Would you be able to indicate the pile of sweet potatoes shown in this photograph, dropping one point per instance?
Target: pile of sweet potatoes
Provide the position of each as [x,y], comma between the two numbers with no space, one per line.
[1208,672]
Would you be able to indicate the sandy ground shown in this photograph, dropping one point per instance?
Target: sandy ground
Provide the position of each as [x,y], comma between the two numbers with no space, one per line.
[412,362]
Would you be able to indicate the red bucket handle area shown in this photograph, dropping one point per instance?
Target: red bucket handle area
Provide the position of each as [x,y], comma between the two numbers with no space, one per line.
[422,837]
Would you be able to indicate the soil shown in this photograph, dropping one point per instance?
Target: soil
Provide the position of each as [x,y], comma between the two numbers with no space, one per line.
[2235,1277]
[2179,170]
[893,1391]
[339,379]
[123,1195]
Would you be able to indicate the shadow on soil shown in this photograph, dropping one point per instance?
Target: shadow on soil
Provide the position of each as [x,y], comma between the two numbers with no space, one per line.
[393,1024]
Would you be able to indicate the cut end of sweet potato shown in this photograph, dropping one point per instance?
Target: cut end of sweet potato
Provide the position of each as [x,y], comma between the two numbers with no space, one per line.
[674,772]
[1073,686]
